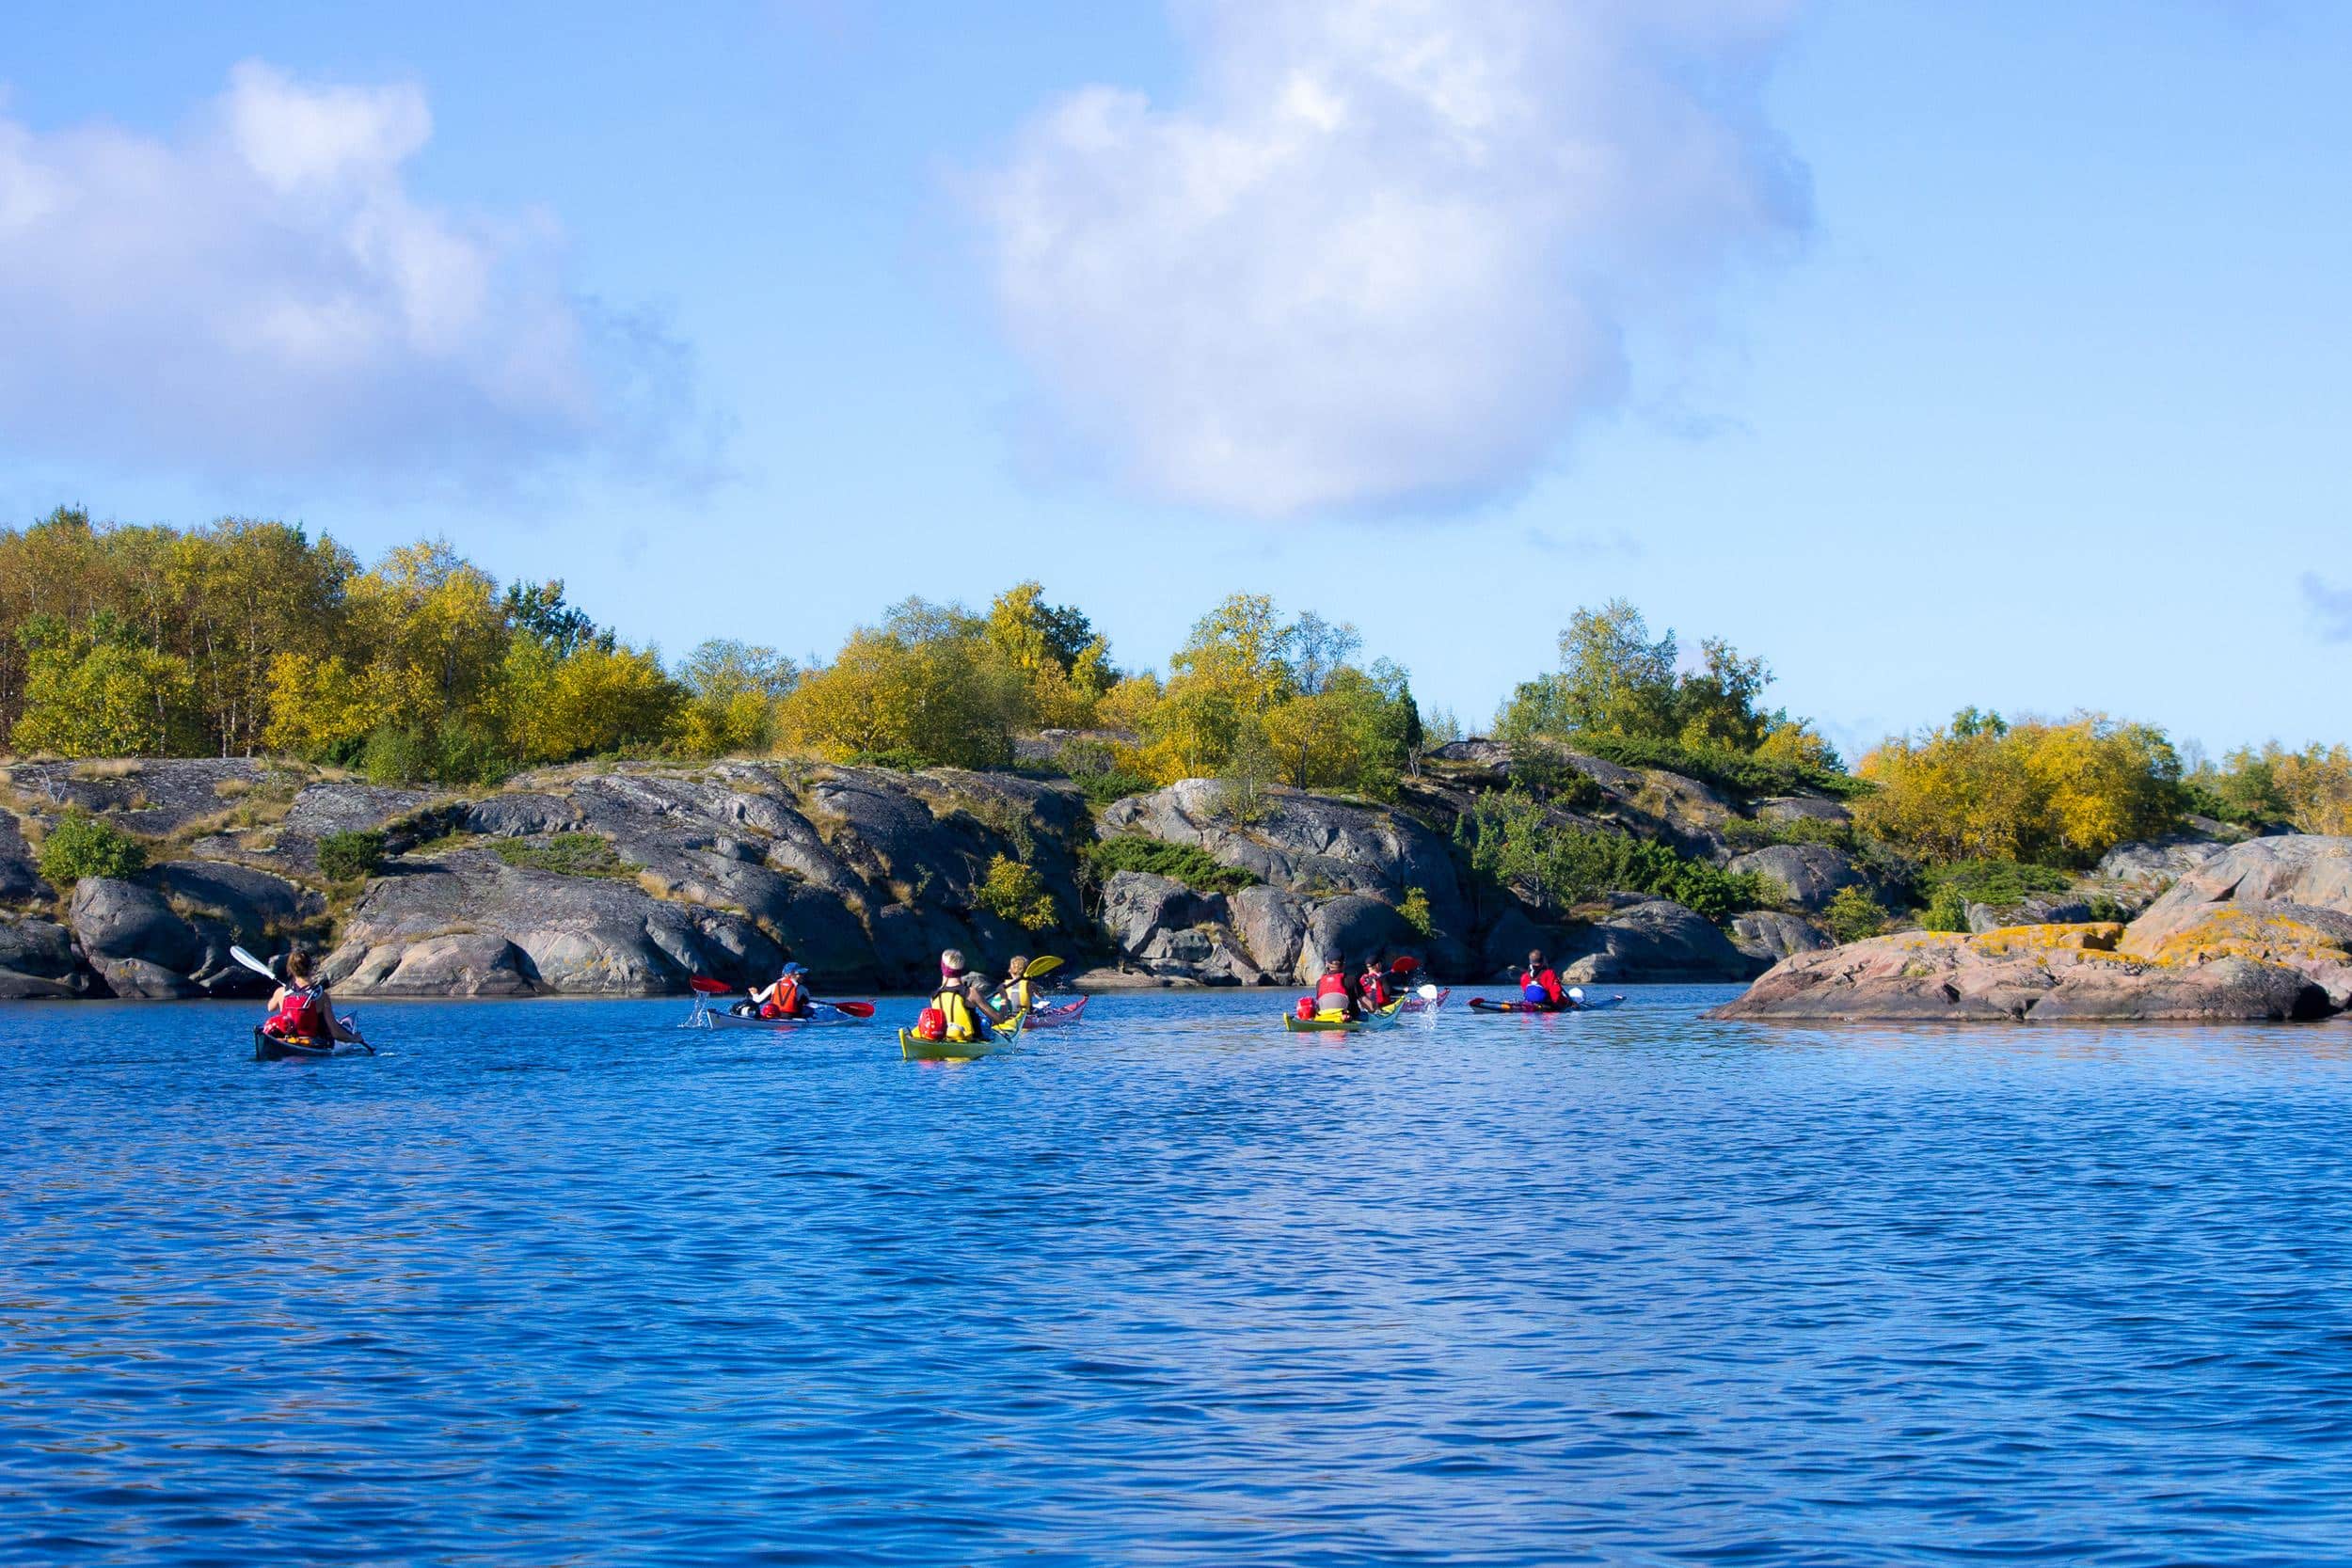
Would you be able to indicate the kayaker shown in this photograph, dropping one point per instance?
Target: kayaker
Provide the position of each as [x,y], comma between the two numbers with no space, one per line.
[1375,985]
[300,1007]
[1333,996]
[1539,987]
[786,998]
[963,1000]
[1019,993]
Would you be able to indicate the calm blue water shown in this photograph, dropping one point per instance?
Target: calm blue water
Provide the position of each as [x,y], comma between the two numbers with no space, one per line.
[556,1283]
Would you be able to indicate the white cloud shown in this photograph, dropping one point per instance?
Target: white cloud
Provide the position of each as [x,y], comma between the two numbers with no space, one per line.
[1387,256]
[263,292]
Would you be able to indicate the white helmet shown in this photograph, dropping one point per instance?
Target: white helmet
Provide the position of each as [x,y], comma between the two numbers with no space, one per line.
[1576,993]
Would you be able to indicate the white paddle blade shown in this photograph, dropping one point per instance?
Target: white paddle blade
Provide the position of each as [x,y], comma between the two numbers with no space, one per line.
[252,964]
[1429,992]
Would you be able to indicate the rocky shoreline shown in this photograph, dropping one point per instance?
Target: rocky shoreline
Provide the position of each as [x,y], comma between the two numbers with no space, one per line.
[625,879]
[862,873]
[2258,932]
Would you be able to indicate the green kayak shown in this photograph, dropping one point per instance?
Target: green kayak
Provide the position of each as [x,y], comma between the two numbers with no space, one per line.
[1385,1018]
[914,1048]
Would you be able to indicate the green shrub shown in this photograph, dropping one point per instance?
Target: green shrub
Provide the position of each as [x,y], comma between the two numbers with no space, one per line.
[1511,839]
[1736,772]
[899,759]
[2105,907]
[1185,862]
[1853,914]
[1095,768]
[455,753]
[1015,892]
[80,845]
[1547,776]
[1997,882]
[348,856]
[1947,910]
[566,855]
[1415,911]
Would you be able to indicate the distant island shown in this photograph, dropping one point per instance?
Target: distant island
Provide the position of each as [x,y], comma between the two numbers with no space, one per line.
[235,734]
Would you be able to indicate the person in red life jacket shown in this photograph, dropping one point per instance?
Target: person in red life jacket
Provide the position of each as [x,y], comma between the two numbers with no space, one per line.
[1334,996]
[1539,987]
[300,1009]
[785,999]
[1375,985]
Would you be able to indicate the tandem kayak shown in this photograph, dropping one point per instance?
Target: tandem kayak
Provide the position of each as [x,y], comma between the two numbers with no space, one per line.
[823,1015]
[914,1048]
[1590,1004]
[1385,1018]
[288,1048]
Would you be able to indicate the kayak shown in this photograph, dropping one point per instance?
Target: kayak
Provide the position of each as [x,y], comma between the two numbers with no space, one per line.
[1416,1003]
[1056,1014]
[824,1016]
[1384,1018]
[914,1048]
[1594,1005]
[288,1048]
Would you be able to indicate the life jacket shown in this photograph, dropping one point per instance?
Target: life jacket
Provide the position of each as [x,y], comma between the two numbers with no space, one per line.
[1377,991]
[964,1024]
[301,1015]
[785,1000]
[1331,994]
[1018,996]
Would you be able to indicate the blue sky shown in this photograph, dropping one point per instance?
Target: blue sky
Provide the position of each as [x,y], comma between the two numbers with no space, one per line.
[1942,355]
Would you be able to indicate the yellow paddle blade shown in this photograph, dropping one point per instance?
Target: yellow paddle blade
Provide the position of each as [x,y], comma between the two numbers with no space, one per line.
[1044,965]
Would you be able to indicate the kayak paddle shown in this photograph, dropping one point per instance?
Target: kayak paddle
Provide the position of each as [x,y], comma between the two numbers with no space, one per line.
[1045,964]
[1427,992]
[855,1010]
[710,987]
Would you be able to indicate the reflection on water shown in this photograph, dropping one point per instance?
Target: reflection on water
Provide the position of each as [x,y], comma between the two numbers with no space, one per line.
[556,1283]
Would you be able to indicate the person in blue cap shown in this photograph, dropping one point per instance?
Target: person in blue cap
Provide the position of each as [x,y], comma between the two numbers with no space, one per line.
[786,998]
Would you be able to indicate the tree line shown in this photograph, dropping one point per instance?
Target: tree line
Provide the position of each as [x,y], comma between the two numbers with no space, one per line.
[247,635]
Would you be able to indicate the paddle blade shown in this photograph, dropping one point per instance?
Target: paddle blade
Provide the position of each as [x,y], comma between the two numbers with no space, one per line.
[1428,993]
[855,1010]
[252,964]
[710,987]
[1405,964]
[1043,965]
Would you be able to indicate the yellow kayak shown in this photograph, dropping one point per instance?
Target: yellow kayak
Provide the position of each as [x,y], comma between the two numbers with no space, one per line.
[1384,1018]
[914,1048]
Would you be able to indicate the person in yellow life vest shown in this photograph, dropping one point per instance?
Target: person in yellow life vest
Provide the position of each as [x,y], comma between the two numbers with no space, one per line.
[1017,994]
[963,1001]
[1333,999]
[786,998]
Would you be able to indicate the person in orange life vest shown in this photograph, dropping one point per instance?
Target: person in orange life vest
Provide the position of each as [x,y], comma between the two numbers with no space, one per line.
[1333,995]
[785,999]
[300,1007]
[1539,987]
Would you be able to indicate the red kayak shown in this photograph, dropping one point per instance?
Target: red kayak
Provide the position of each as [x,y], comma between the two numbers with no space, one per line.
[1590,1004]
